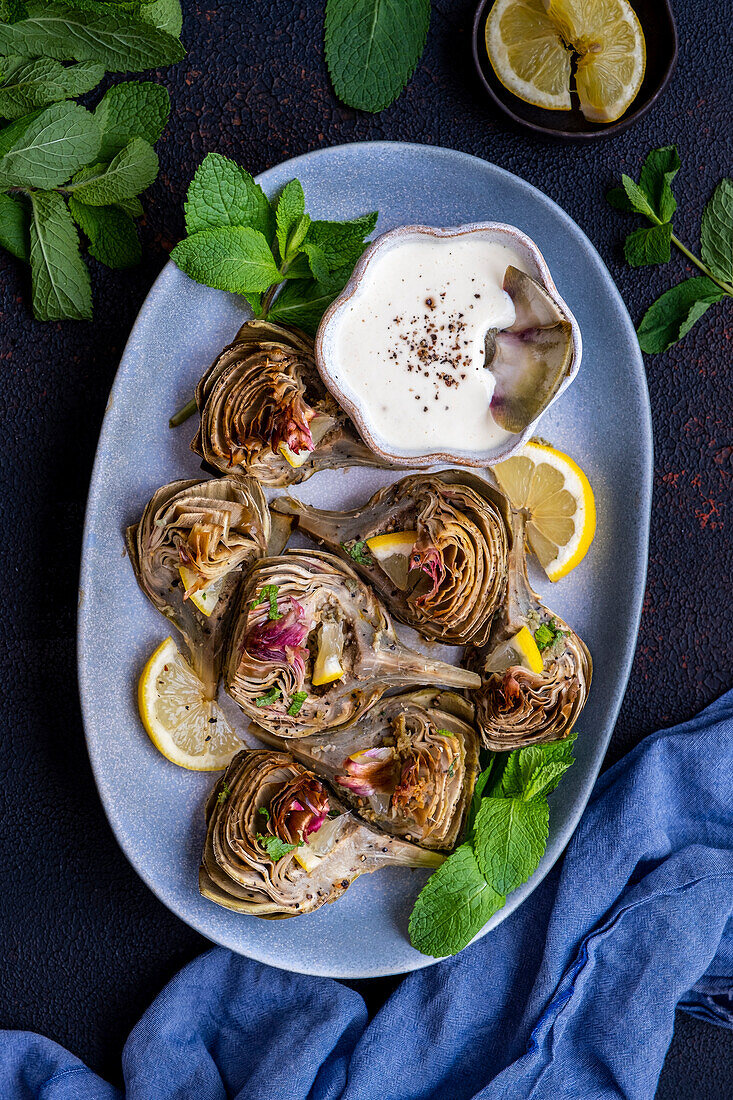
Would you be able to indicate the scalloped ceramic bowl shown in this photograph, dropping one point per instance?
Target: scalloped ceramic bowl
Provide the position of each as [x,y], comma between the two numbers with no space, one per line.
[327,359]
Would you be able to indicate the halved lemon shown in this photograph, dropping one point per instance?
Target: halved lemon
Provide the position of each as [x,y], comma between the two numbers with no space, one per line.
[328,666]
[558,500]
[392,551]
[521,650]
[531,44]
[307,858]
[205,599]
[319,426]
[187,728]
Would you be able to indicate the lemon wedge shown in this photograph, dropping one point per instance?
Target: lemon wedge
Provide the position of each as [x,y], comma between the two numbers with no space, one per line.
[531,44]
[319,426]
[188,729]
[307,858]
[327,666]
[558,500]
[521,650]
[205,599]
[392,551]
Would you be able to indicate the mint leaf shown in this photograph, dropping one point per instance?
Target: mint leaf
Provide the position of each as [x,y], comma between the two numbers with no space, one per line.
[453,906]
[166,15]
[510,836]
[38,83]
[133,109]
[129,173]
[537,769]
[478,791]
[132,206]
[657,173]
[236,259]
[304,301]
[649,246]
[618,198]
[61,287]
[120,42]
[673,314]
[222,194]
[275,847]
[58,142]
[341,243]
[14,227]
[296,703]
[289,215]
[637,198]
[373,47]
[716,235]
[12,134]
[12,10]
[111,233]
[268,698]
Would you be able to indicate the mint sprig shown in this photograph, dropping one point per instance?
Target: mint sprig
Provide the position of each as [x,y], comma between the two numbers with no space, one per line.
[673,314]
[506,836]
[373,47]
[63,167]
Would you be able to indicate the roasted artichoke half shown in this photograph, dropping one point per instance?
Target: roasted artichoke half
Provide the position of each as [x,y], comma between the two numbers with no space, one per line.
[408,766]
[433,545]
[312,648]
[516,706]
[265,411]
[188,552]
[279,844]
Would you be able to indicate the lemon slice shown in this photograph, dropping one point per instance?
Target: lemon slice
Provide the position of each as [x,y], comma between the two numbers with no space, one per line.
[521,650]
[392,551]
[528,54]
[609,42]
[205,599]
[531,44]
[559,502]
[328,667]
[187,728]
[307,858]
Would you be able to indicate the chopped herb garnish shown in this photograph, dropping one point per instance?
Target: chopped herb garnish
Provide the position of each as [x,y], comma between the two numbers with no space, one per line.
[265,812]
[359,551]
[296,703]
[444,733]
[267,594]
[223,793]
[268,698]
[275,847]
[546,634]
[452,769]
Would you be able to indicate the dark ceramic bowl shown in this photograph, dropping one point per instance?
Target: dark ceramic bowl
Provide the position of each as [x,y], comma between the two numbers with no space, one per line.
[660,33]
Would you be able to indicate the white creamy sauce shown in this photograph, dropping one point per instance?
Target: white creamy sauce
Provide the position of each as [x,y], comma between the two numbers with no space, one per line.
[410,344]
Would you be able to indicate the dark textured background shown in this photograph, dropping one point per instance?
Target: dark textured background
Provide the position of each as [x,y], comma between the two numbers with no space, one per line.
[85,946]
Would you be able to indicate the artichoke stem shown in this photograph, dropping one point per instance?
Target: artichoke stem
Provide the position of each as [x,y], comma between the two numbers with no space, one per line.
[183,414]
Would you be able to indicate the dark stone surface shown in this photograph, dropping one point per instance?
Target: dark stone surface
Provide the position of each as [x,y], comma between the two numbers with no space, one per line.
[85,945]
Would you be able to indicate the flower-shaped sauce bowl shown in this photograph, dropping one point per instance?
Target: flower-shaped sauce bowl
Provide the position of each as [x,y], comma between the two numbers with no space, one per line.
[330,357]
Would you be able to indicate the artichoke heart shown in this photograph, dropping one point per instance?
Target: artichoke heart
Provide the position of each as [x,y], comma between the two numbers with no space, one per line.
[277,633]
[517,705]
[274,848]
[265,411]
[530,359]
[194,540]
[453,572]
[407,767]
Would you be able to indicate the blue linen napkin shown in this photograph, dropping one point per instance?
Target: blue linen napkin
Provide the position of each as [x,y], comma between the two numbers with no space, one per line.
[573,996]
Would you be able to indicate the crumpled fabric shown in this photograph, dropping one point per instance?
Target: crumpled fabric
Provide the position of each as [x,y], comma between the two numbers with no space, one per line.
[572,996]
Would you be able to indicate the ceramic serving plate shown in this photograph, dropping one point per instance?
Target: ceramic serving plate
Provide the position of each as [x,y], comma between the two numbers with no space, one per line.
[155,808]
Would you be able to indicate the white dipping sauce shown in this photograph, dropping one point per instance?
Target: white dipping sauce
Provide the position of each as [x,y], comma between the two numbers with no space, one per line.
[410,343]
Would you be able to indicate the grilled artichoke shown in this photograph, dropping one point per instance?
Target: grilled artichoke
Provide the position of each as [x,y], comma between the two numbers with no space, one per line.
[447,574]
[408,766]
[189,549]
[516,706]
[272,847]
[265,411]
[312,648]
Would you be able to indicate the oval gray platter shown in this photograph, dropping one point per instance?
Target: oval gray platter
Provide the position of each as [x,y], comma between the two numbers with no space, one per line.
[603,420]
